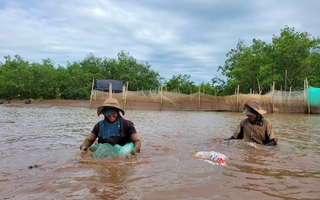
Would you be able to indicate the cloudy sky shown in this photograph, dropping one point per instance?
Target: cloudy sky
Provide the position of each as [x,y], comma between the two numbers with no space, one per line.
[175,37]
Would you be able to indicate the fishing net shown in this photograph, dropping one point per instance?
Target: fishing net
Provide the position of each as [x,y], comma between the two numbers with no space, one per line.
[292,101]
[106,150]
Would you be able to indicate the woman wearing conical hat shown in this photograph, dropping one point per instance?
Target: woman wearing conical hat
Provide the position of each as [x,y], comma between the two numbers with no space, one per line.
[113,129]
[255,128]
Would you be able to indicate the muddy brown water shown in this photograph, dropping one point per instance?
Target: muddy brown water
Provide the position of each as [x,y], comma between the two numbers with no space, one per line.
[40,157]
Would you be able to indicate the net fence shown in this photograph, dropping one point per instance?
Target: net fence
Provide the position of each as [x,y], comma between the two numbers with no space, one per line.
[305,101]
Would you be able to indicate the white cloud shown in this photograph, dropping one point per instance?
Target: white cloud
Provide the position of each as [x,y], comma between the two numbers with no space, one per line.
[174,37]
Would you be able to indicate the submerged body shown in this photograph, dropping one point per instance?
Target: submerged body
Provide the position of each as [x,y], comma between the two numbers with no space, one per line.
[258,133]
[113,129]
[255,128]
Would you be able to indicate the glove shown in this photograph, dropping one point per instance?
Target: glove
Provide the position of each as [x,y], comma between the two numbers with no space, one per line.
[136,142]
[88,142]
[83,148]
[271,143]
[134,151]
[230,138]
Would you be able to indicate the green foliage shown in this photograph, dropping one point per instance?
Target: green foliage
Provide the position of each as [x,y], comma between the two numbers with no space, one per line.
[15,78]
[139,76]
[207,88]
[292,57]
[20,79]
[182,84]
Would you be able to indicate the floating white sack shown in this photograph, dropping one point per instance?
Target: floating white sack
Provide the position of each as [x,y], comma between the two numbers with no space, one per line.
[218,158]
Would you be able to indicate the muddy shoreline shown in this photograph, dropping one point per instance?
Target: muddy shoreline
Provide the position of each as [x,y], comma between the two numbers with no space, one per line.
[50,103]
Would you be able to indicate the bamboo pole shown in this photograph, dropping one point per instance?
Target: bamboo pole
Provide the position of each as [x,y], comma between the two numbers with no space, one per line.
[91,93]
[237,103]
[110,90]
[123,91]
[281,99]
[215,99]
[304,89]
[308,97]
[273,96]
[234,100]
[125,96]
[259,86]
[285,81]
[305,96]
[161,98]
[289,97]
[199,97]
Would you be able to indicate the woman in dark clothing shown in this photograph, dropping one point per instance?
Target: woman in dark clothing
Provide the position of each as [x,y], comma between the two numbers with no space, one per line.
[113,129]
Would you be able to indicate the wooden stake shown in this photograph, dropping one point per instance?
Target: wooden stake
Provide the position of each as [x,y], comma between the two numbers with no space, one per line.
[199,97]
[259,86]
[110,90]
[308,97]
[273,96]
[237,103]
[91,93]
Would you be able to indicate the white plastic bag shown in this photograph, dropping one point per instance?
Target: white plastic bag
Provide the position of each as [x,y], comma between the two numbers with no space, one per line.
[218,158]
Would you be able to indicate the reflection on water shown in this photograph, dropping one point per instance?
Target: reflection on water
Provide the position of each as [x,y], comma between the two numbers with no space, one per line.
[40,157]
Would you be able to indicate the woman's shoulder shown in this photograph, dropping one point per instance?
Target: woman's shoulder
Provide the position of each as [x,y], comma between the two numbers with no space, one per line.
[244,120]
[267,121]
[126,121]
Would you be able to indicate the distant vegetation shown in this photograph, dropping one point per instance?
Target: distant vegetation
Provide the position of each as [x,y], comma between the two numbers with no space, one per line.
[287,61]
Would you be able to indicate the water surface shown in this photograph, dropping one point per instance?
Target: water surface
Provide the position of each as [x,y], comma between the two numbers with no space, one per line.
[40,157]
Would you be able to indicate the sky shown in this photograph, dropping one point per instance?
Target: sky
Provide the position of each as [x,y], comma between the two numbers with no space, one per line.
[175,37]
